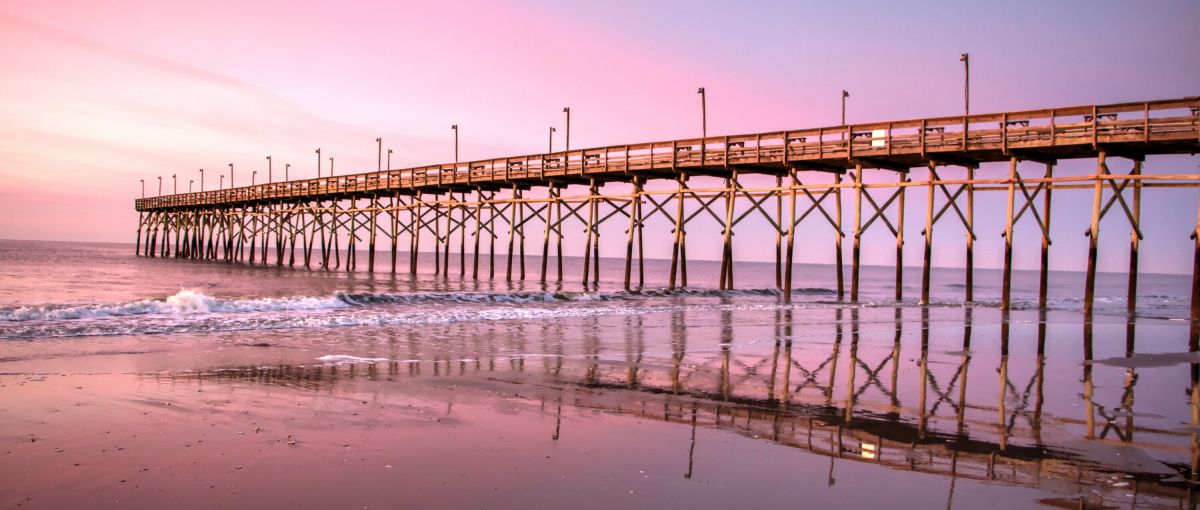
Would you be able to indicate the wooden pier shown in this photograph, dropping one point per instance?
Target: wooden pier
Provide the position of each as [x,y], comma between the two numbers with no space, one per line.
[495,198]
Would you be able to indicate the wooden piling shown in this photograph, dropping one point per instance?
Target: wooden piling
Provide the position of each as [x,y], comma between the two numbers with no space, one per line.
[791,241]
[678,242]
[926,258]
[1006,285]
[634,198]
[1134,237]
[1089,286]
[839,269]
[969,283]
[856,249]
[900,237]
[1044,274]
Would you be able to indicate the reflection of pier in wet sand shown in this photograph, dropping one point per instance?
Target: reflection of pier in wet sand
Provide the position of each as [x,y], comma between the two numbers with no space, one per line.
[901,401]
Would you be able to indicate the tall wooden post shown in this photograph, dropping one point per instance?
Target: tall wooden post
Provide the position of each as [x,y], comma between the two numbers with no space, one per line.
[478,228]
[395,199]
[969,291]
[512,230]
[1044,275]
[634,198]
[371,241]
[596,236]
[587,246]
[550,199]
[926,261]
[900,237]
[558,236]
[837,238]
[856,249]
[1134,240]
[678,232]
[521,235]
[727,245]
[462,235]
[1006,289]
[791,239]
[1195,288]
[1089,285]
[415,218]
[492,236]
[778,233]
[449,214]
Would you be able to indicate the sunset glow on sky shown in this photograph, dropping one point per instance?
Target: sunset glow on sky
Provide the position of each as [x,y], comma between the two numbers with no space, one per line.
[97,95]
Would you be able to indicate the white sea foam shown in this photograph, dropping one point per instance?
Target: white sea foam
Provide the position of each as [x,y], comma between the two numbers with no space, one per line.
[184,302]
[346,358]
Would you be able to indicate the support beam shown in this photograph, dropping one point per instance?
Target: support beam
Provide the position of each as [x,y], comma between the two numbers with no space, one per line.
[855,252]
[1006,285]
[1089,286]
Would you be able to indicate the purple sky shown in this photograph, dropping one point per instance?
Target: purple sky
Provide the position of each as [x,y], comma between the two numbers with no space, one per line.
[94,97]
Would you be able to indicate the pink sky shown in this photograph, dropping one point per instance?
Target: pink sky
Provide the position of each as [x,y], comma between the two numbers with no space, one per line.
[96,95]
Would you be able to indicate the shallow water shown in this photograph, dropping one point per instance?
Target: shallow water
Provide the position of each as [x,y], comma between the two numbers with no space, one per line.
[194,384]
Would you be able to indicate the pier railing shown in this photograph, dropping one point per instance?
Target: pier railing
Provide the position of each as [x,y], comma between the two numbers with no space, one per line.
[1164,126]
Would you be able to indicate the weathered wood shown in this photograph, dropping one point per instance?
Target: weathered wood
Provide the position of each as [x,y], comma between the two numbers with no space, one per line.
[1044,273]
[1006,278]
[855,251]
[1134,239]
[1089,286]
[927,255]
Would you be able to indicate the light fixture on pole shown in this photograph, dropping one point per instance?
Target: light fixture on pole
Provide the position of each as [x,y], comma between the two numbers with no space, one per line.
[551,147]
[455,128]
[202,180]
[269,169]
[190,181]
[703,113]
[379,159]
[174,185]
[966,60]
[286,170]
[389,160]
[231,186]
[567,110]
[143,187]
[318,163]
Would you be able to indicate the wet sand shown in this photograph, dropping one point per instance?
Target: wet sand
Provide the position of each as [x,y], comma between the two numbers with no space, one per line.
[874,407]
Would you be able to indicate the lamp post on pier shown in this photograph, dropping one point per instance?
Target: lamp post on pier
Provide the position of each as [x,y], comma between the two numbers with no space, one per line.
[231,186]
[455,129]
[190,181]
[269,179]
[844,96]
[551,147]
[389,160]
[331,166]
[222,182]
[252,176]
[160,185]
[286,170]
[567,110]
[965,58]
[143,187]
[174,185]
[318,162]
[379,158]
[703,113]
[201,180]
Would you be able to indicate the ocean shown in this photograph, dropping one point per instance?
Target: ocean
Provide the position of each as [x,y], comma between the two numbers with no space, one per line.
[160,382]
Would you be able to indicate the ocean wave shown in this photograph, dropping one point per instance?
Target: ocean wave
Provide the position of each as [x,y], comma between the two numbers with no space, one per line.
[193,302]
[185,302]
